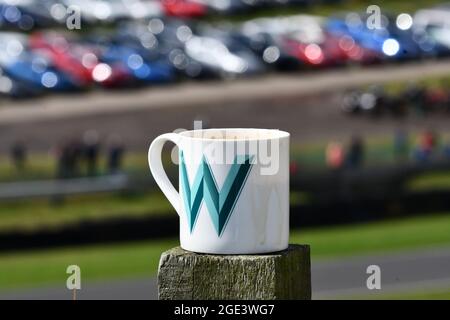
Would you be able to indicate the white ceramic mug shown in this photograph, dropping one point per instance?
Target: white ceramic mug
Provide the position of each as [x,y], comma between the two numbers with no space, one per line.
[233,189]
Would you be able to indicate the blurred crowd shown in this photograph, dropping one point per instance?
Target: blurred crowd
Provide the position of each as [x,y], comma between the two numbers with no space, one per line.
[426,149]
[337,156]
[416,98]
[78,157]
[89,156]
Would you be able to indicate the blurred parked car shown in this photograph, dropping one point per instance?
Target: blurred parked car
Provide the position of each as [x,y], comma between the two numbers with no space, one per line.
[433,24]
[73,59]
[305,38]
[135,62]
[184,8]
[218,50]
[31,68]
[166,39]
[78,59]
[415,97]
[224,6]
[100,11]
[393,39]
[374,101]
[26,14]
[11,88]
[263,36]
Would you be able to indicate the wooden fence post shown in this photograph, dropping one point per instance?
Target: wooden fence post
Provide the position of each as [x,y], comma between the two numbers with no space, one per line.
[184,275]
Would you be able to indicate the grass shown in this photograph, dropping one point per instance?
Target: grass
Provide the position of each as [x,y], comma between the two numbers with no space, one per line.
[97,262]
[376,237]
[43,166]
[40,167]
[121,261]
[30,215]
[441,294]
[431,295]
[430,181]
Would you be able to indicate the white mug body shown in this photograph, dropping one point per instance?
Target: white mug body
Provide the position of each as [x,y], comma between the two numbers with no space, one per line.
[233,195]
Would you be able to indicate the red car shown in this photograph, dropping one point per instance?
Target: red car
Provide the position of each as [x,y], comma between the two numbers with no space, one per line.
[184,8]
[355,52]
[304,37]
[79,61]
[326,50]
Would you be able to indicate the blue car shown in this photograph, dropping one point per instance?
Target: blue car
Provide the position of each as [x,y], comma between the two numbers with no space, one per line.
[140,65]
[25,15]
[393,39]
[37,73]
[31,68]
[11,88]
[165,45]
[135,62]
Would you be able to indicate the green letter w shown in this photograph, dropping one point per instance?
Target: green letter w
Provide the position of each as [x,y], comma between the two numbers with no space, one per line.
[221,203]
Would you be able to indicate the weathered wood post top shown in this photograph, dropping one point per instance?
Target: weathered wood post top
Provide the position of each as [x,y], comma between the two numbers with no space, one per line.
[185,275]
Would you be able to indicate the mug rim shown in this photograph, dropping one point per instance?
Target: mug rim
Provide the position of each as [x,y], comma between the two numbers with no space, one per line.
[278,134]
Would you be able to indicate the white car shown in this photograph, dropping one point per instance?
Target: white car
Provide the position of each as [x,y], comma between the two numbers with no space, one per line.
[303,28]
[307,24]
[215,54]
[435,22]
[12,45]
[219,51]
[113,10]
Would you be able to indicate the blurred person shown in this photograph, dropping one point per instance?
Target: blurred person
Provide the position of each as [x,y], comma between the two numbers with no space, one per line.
[355,153]
[437,98]
[427,143]
[446,150]
[68,156]
[334,155]
[293,168]
[91,147]
[429,140]
[18,155]
[61,159]
[375,99]
[415,95]
[74,157]
[115,154]
[420,155]
[401,145]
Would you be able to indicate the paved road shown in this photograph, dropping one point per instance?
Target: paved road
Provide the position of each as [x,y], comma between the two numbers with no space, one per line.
[411,271]
[404,272]
[288,102]
[205,93]
[308,119]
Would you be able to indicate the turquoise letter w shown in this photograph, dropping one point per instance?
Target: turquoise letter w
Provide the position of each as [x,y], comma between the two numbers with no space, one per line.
[221,203]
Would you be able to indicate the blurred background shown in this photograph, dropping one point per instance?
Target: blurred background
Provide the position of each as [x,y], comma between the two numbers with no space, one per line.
[86,85]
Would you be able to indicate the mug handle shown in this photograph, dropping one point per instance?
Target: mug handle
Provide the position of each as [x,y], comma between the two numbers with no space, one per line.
[157,169]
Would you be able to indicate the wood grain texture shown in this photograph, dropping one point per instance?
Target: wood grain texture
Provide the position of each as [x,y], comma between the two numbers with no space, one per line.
[186,275]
